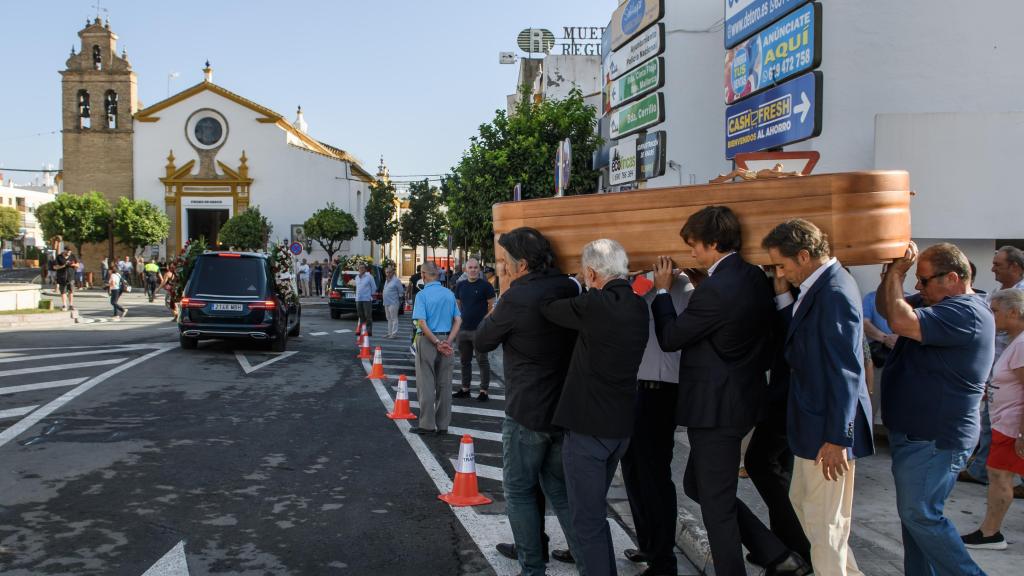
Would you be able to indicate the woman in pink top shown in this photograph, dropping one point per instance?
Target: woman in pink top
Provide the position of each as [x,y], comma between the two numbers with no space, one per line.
[1006,457]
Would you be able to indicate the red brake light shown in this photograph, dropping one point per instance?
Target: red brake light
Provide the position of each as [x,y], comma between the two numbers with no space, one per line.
[335,294]
[263,305]
[190,303]
[229,255]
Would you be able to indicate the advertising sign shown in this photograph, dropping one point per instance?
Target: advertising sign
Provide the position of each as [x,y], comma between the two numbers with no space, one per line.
[622,162]
[783,115]
[536,40]
[744,17]
[645,46]
[643,80]
[637,116]
[606,74]
[650,155]
[787,48]
[633,17]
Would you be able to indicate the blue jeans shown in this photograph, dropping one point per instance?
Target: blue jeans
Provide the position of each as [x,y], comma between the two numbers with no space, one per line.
[533,460]
[925,476]
[977,467]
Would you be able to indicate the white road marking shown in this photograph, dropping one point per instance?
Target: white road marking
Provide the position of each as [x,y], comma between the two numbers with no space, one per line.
[482,470]
[249,368]
[33,418]
[172,564]
[481,434]
[468,410]
[342,331]
[488,530]
[318,333]
[56,367]
[42,386]
[16,412]
[412,390]
[68,354]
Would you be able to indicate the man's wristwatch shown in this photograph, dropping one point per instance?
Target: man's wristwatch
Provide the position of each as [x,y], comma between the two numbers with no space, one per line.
[662,291]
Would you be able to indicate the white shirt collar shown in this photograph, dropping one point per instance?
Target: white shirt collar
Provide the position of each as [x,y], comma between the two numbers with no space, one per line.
[717,262]
[806,284]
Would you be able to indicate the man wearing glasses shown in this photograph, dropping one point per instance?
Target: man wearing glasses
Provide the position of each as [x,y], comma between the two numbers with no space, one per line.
[934,380]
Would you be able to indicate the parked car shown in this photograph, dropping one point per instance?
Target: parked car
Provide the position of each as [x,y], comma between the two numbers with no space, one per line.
[232,295]
[342,292]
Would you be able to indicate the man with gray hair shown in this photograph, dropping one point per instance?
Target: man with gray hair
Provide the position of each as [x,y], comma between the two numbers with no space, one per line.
[439,318]
[596,407]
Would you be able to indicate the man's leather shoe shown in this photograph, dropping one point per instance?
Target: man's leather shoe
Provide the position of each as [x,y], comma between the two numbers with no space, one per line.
[563,556]
[420,431]
[461,394]
[791,565]
[634,555]
[509,551]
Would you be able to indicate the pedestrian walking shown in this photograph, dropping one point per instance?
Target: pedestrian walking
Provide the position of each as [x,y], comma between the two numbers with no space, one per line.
[829,418]
[318,278]
[303,276]
[475,298]
[934,380]
[392,296]
[115,285]
[152,272]
[439,318]
[64,268]
[725,336]
[1006,407]
[365,287]
[597,403]
[79,274]
[647,463]
[536,356]
[414,287]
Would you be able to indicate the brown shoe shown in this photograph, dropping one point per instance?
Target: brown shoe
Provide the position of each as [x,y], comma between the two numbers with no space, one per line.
[1018,492]
[965,476]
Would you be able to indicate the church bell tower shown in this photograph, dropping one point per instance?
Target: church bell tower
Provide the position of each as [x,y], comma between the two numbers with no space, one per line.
[98,99]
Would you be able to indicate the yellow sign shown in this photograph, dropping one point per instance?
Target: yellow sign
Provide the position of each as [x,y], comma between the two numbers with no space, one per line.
[632,17]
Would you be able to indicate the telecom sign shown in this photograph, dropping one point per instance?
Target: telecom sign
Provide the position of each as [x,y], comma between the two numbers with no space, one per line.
[645,79]
[744,17]
[787,48]
[645,46]
[650,155]
[632,17]
[637,116]
[783,115]
[622,162]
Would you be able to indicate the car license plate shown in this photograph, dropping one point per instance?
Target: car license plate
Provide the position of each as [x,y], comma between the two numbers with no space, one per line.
[350,296]
[227,307]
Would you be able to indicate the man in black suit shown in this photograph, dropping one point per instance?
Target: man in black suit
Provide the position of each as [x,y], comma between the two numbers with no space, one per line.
[597,400]
[725,335]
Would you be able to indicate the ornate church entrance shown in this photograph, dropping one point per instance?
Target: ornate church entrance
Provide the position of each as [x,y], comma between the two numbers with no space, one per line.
[206,223]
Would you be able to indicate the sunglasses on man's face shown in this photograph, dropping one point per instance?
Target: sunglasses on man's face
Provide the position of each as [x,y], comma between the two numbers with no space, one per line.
[924,281]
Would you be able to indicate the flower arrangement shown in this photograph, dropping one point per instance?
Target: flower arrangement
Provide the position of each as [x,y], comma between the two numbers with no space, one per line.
[182,265]
[352,261]
[281,266]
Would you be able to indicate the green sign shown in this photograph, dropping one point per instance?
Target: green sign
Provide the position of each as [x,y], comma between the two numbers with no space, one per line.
[637,116]
[645,79]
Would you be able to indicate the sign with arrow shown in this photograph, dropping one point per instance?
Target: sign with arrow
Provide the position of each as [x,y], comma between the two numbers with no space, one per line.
[783,115]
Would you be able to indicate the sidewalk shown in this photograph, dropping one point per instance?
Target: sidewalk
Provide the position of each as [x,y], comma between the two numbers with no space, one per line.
[876,537]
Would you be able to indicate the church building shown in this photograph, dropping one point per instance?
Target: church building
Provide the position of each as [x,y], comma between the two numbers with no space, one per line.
[202,155]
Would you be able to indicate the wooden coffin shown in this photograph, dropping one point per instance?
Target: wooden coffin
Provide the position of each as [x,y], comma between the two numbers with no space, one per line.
[865,214]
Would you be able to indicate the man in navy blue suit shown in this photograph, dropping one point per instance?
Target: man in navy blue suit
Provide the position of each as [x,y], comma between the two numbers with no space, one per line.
[829,413]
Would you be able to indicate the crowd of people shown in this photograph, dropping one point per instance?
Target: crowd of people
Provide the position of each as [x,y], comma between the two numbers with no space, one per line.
[599,371]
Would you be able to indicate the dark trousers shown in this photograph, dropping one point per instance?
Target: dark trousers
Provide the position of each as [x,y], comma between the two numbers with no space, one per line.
[710,480]
[466,354]
[318,281]
[364,311]
[647,472]
[769,463]
[115,295]
[590,464]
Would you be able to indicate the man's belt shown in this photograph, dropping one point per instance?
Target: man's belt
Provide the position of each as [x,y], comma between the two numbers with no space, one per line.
[651,384]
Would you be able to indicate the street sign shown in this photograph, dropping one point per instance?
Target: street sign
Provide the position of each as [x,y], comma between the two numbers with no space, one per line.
[645,46]
[506,58]
[296,248]
[744,17]
[787,48]
[622,162]
[783,115]
[643,80]
[536,40]
[637,116]
[632,17]
[650,155]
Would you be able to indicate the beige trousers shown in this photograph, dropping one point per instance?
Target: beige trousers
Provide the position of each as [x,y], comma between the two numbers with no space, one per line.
[825,511]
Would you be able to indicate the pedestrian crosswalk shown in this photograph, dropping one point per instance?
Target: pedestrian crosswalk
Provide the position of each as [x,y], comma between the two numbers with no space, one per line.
[488,525]
[31,386]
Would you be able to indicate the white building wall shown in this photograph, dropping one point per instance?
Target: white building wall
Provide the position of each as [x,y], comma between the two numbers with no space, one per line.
[32,200]
[289,183]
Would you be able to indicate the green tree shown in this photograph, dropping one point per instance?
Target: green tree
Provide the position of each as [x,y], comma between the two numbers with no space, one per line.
[424,224]
[249,230]
[381,226]
[10,222]
[80,220]
[330,227]
[139,223]
[519,149]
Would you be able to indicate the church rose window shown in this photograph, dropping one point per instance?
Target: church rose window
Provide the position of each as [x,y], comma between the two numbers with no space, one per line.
[208,131]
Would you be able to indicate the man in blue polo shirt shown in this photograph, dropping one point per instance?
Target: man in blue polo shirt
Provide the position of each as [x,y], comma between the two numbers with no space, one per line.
[439,318]
[934,380]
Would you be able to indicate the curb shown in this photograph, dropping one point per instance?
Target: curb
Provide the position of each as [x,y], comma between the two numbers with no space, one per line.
[51,320]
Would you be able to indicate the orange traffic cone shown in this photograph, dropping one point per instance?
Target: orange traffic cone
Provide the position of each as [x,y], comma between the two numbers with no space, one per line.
[401,411]
[464,492]
[364,349]
[360,329]
[377,372]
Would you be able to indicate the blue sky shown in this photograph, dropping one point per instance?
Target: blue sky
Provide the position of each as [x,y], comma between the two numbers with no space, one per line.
[408,79]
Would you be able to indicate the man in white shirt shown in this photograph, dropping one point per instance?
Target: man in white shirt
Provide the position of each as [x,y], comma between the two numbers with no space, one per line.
[365,287]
